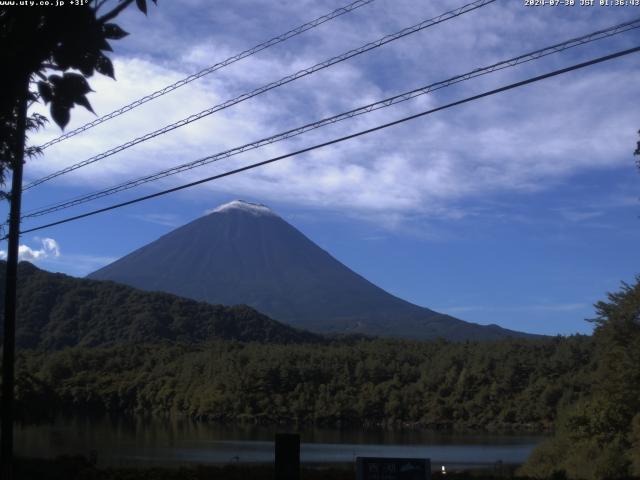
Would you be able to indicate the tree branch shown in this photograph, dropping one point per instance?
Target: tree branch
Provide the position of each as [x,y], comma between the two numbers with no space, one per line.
[115,12]
[51,66]
[99,4]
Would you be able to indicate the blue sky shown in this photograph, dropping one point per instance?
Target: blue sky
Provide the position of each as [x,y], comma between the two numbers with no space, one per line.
[521,209]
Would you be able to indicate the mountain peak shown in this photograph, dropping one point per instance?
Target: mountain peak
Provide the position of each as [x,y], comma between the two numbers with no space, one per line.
[246,207]
[243,253]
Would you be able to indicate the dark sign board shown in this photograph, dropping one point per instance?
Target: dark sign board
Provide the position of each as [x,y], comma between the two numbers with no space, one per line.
[379,468]
[287,456]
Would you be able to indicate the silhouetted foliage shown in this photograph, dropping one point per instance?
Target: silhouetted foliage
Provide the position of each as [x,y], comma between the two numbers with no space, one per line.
[599,437]
[55,50]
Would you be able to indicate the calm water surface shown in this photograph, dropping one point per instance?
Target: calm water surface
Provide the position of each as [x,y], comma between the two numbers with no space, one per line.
[138,442]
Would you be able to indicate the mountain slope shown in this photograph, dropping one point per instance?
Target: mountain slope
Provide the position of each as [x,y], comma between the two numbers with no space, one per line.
[57,311]
[245,253]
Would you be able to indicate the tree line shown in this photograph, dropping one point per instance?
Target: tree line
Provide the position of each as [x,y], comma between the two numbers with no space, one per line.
[509,384]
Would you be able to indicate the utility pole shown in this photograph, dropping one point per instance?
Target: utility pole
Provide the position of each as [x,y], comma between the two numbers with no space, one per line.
[11,280]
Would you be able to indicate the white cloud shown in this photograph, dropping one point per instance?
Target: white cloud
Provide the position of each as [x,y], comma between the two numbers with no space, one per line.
[547,307]
[576,216]
[49,255]
[79,264]
[51,246]
[164,219]
[522,141]
[49,249]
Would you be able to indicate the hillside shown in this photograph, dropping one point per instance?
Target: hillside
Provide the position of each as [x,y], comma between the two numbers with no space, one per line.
[245,253]
[57,311]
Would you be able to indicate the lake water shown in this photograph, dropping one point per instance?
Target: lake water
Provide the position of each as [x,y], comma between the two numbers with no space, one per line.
[138,442]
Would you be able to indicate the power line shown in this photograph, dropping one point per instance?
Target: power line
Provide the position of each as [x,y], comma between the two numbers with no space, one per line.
[341,139]
[559,47]
[206,71]
[265,88]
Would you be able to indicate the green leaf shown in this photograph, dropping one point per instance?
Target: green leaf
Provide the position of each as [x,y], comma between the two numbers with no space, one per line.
[55,80]
[104,45]
[45,91]
[60,114]
[142,6]
[105,67]
[85,103]
[63,57]
[113,31]
[76,84]
[87,64]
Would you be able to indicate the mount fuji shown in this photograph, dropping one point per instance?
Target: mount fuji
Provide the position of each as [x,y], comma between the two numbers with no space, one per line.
[244,253]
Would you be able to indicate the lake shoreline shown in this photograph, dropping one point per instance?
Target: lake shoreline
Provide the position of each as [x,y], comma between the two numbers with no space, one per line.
[81,468]
[119,443]
[288,424]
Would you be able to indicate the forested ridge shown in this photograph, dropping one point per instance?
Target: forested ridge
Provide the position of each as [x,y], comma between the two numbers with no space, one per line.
[58,311]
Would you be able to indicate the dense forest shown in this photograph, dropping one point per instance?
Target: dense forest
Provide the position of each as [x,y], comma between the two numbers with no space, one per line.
[510,384]
[99,347]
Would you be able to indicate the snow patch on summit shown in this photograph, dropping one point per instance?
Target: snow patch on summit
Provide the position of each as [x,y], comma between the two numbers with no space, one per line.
[247,207]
